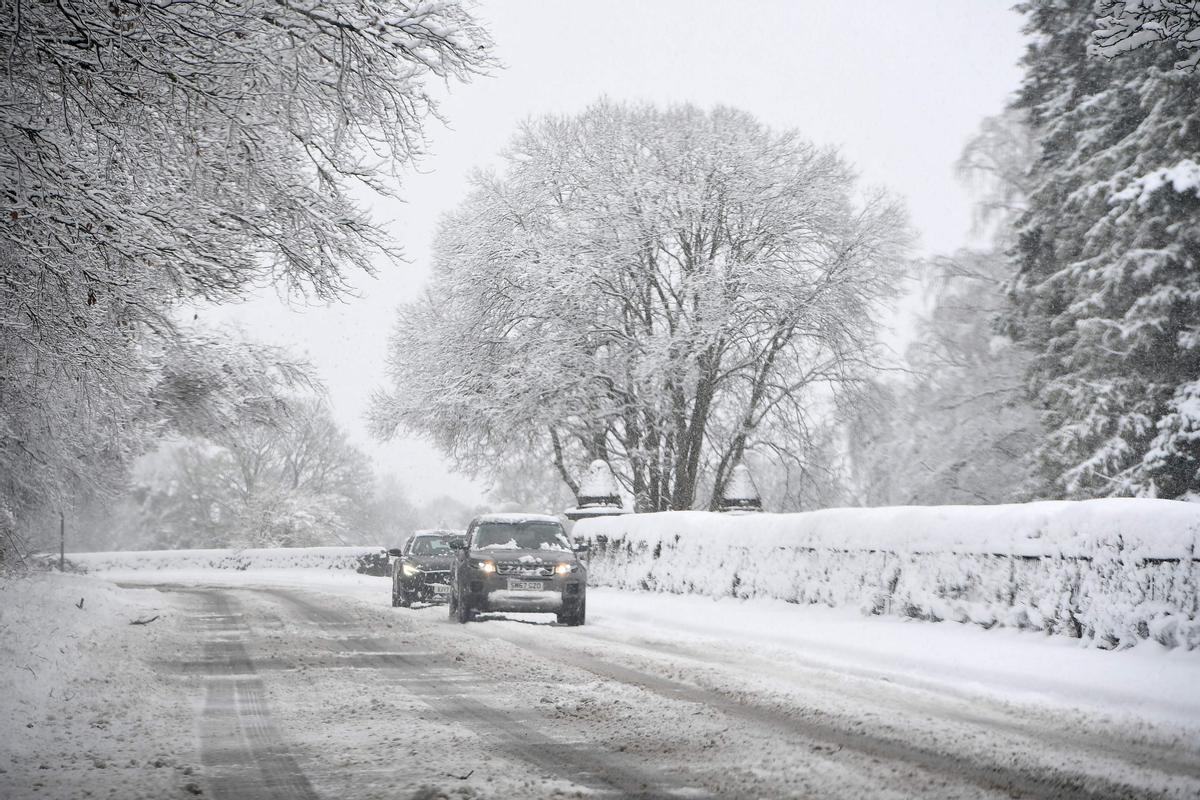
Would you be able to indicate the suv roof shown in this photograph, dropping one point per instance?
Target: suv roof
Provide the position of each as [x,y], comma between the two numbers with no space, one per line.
[513,518]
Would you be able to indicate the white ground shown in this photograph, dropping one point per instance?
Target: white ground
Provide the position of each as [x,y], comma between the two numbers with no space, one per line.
[83,711]
[690,695]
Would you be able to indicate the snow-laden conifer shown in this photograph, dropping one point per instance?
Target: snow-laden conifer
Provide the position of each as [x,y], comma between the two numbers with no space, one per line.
[1108,288]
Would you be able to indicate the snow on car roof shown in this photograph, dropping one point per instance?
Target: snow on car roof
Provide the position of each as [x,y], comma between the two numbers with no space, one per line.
[437,532]
[515,517]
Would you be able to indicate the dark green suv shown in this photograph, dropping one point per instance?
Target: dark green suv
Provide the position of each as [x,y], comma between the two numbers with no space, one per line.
[515,563]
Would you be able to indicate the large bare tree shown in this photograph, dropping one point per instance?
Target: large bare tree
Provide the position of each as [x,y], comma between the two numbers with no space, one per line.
[652,287]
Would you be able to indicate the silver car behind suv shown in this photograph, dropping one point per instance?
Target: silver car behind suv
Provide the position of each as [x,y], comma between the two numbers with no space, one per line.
[518,562]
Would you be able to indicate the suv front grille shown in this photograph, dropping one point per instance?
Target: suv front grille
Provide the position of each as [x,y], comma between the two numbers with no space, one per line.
[518,569]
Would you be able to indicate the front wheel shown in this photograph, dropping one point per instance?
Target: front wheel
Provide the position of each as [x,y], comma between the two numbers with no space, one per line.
[400,598]
[461,609]
[575,616]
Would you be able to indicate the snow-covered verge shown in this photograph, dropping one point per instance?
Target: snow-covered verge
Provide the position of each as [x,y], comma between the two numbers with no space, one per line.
[368,560]
[81,711]
[1129,687]
[1112,572]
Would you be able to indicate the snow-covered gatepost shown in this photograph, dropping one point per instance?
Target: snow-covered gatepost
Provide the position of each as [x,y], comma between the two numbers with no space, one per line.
[599,495]
[740,495]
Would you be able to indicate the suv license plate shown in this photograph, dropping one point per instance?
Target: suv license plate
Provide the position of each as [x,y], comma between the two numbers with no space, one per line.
[524,586]
[440,588]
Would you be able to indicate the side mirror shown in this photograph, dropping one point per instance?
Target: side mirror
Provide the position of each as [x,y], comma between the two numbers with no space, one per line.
[395,552]
[458,544]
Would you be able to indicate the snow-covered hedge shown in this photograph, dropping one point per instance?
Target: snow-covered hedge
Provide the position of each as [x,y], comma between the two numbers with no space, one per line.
[368,560]
[1109,571]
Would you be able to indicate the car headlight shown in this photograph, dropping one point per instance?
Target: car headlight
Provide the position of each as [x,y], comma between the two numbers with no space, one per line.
[410,570]
[565,569]
[486,567]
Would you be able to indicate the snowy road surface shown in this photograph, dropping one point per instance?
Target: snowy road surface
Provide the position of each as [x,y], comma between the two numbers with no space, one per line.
[326,691]
[314,687]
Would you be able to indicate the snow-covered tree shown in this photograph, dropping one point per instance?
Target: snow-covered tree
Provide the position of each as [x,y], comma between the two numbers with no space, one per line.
[1108,257]
[154,152]
[527,479]
[387,517]
[204,383]
[958,417]
[1125,25]
[192,148]
[649,287]
[291,480]
[65,443]
[958,426]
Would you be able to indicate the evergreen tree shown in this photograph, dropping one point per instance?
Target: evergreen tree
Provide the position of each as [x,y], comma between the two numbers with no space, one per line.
[1108,285]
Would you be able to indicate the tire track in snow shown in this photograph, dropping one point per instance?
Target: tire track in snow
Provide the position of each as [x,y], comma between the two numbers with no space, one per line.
[1032,781]
[243,755]
[1183,762]
[445,689]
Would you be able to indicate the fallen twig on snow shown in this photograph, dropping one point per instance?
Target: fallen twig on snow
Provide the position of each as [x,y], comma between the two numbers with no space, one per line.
[460,777]
[146,621]
[80,603]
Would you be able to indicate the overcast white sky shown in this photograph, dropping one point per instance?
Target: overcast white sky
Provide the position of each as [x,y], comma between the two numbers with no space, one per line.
[897,86]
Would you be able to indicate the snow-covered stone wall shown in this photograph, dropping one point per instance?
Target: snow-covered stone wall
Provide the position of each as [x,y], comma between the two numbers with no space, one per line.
[1112,572]
[368,560]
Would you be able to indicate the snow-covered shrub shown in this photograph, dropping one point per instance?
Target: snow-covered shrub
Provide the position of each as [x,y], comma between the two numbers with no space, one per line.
[1111,571]
[366,560]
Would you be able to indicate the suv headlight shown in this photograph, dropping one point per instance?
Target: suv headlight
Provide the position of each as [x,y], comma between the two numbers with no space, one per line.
[565,568]
[486,567]
[410,570]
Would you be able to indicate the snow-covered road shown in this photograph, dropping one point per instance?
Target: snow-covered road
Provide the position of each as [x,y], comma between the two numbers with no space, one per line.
[313,686]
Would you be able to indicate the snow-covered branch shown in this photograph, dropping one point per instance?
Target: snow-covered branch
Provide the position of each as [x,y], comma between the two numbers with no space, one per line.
[154,152]
[1125,25]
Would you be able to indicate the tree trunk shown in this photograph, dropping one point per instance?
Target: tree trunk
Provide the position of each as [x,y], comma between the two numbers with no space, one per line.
[693,437]
[571,483]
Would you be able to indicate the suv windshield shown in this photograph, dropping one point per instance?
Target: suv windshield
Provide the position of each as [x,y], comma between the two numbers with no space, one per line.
[431,546]
[521,536]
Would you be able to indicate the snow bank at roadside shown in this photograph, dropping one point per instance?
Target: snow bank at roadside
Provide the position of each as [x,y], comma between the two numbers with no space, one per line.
[368,560]
[1135,685]
[1111,571]
[81,711]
